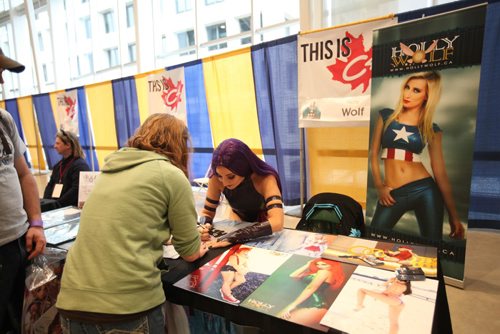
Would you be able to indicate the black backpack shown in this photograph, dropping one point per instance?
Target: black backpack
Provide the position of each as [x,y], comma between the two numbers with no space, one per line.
[334,214]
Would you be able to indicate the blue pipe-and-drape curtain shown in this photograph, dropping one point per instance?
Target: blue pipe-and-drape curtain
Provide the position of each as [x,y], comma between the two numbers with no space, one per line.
[13,110]
[275,76]
[47,127]
[197,118]
[85,137]
[127,118]
[484,209]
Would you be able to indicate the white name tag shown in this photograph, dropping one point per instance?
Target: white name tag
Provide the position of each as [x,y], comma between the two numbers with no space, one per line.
[56,193]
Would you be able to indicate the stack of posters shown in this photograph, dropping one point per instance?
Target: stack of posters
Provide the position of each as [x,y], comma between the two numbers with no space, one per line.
[287,275]
[382,254]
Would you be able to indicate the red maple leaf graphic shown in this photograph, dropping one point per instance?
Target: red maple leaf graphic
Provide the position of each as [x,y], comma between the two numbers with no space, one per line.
[355,70]
[171,95]
[70,109]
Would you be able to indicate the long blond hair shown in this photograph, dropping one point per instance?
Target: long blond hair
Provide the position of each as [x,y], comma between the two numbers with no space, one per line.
[433,91]
[69,138]
[166,135]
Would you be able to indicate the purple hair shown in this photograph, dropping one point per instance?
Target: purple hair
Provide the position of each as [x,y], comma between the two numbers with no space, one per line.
[236,156]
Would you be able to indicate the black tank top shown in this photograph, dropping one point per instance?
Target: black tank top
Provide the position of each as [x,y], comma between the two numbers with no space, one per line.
[245,201]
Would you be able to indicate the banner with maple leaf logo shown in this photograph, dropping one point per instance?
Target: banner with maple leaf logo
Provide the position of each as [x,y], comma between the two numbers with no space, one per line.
[67,109]
[334,75]
[167,94]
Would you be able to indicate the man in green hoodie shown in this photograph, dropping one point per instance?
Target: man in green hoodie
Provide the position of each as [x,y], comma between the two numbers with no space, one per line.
[141,199]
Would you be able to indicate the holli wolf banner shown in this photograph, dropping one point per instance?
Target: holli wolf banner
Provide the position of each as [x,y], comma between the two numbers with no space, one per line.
[334,73]
[422,126]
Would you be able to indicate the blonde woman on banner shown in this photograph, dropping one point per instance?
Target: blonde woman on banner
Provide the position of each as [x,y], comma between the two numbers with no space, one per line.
[399,138]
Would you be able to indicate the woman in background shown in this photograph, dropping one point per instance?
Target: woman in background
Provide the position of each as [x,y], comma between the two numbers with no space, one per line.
[62,188]
[111,280]
[252,188]
[399,138]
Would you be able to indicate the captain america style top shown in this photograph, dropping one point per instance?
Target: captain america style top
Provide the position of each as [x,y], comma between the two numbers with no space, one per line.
[401,141]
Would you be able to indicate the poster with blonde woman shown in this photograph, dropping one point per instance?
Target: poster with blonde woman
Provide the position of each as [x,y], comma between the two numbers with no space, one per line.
[422,126]
[420,160]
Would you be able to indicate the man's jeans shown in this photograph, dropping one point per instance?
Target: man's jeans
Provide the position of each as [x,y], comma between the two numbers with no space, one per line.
[150,323]
[13,261]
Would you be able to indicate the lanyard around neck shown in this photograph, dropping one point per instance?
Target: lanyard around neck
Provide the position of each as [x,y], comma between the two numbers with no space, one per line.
[62,171]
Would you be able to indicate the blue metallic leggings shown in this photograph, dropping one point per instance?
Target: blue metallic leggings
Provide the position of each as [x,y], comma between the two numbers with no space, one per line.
[424,198]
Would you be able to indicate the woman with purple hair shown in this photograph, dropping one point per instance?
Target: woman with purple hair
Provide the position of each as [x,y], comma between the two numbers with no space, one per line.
[252,188]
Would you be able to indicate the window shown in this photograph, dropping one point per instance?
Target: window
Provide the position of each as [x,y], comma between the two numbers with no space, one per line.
[186,39]
[211,2]
[48,73]
[245,26]
[109,25]
[164,45]
[183,6]
[132,52]
[85,64]
[113,58]
[86,27]
[40,42]
[215,32]
[130,15]
[45,74]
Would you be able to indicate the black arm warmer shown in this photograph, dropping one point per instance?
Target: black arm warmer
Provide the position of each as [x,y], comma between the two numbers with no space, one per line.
[247,233]
[205,220]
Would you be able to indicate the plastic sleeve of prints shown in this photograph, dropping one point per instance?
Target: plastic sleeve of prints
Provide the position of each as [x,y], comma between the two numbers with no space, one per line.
[36,223]
[205,220]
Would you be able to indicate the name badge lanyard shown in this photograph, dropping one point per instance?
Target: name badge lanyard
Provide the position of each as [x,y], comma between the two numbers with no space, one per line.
[62,171]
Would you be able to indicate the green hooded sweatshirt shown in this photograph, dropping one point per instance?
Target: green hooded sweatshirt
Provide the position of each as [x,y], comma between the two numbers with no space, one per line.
[139,201]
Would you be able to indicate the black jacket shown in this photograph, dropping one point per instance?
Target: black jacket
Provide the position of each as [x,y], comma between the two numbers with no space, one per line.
[70,179]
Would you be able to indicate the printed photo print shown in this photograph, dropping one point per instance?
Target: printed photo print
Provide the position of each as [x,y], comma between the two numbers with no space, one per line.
[301,290]
[235,274]
[375,301]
